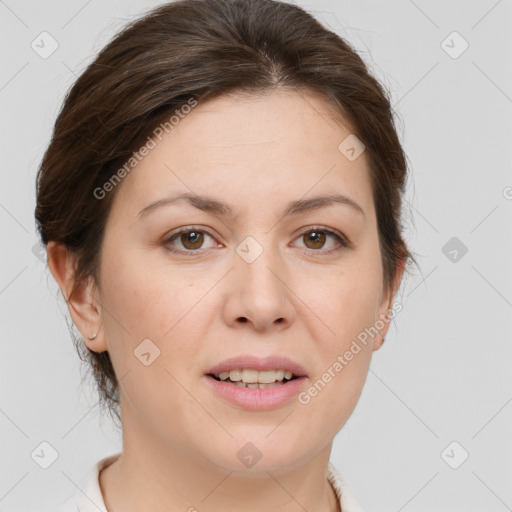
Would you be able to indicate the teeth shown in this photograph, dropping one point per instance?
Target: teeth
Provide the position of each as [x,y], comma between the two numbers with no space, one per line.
[267,376]
[255,386]
[254,377]
[250,376]
[235,375]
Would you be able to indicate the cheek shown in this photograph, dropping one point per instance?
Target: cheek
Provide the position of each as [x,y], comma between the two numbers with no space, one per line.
[164,303]
[344,302]
[338,381]
[146,299]
[346,305]
[148,315]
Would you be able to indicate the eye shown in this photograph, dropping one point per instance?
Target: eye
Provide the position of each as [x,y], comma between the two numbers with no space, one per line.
[315,238]
[191,239]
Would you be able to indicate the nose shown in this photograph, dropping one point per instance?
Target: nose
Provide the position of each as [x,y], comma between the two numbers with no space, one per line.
[258,294]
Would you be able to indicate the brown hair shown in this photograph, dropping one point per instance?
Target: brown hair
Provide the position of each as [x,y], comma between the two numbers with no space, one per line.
[203,49]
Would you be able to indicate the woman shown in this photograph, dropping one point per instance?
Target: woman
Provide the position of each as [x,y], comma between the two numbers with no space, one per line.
[221,206]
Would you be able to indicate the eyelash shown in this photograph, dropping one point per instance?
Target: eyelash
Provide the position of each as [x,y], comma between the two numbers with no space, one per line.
[343,242]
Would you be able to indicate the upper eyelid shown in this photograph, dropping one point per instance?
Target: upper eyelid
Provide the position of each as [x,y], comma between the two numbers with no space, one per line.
[186,229]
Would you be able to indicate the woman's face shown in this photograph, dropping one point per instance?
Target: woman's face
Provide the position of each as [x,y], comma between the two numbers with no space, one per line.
[259,281]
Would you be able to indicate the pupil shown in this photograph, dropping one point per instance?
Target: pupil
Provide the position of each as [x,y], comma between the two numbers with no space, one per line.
[192,238]
[317,238]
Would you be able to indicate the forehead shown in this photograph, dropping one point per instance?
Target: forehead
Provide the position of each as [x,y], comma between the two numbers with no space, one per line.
[233,123]
[273,147]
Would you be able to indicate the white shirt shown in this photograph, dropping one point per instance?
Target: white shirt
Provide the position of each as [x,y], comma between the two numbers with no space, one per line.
[90,499]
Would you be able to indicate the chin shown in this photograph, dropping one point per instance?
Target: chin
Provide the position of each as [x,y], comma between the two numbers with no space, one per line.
[251,454]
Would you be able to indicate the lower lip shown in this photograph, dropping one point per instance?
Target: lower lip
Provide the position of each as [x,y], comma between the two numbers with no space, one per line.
[257,399]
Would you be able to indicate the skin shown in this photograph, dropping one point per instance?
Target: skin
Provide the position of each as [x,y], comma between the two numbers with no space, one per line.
[180,440]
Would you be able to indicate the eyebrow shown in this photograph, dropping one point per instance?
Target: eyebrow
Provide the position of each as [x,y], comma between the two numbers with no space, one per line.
[213,206]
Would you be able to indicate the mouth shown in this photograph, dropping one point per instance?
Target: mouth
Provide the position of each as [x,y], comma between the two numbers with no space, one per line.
[255,379]
[255,383]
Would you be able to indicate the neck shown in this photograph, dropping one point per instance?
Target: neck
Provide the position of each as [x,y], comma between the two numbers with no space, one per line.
[149,476]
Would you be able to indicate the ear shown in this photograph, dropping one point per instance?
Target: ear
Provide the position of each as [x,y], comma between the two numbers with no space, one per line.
[84,308]
[386,304]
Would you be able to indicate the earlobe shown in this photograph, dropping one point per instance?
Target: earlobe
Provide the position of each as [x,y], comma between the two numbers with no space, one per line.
[379,341]
[82,305]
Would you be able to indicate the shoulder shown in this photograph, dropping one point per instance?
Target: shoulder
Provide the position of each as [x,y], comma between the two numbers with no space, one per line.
[348,502]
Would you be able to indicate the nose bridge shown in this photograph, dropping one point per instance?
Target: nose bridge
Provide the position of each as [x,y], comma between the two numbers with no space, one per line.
[258,262]
[261,296]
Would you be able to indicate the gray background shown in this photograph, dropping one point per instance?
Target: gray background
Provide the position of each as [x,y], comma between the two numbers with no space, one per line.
[443,374]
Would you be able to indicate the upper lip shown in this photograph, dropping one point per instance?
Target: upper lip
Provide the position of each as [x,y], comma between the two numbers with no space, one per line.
[258,363]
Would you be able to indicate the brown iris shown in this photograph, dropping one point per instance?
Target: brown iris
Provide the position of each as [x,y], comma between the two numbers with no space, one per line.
[192,240]
[316,237]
